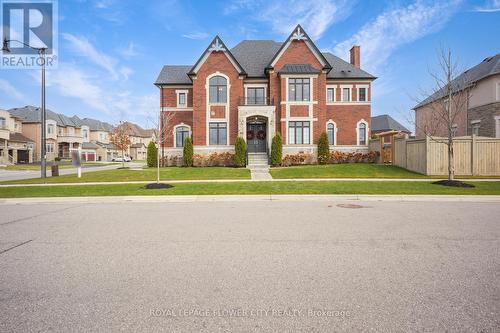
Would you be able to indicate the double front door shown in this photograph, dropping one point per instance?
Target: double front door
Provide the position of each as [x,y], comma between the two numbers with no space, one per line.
[256,138]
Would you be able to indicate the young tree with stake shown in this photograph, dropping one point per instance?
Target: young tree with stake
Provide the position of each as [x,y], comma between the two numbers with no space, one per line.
[121,139]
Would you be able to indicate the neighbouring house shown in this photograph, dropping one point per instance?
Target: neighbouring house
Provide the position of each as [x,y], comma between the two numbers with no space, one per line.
[96,145]
[139,140]
[14,146]
[262,87]
[385,123]
[482,114]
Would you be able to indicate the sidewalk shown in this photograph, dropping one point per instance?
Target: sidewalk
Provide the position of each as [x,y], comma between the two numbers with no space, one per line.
[251,180]
[255,198]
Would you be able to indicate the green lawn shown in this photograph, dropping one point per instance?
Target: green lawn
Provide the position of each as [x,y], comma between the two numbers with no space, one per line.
[149,174]
[326,187]
[36,167]
[354,170]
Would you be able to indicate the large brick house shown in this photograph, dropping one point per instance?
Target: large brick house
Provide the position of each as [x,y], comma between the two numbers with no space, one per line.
[261,87]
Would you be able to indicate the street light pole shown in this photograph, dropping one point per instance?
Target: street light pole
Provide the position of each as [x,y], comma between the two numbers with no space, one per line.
[43,163]
[43,150]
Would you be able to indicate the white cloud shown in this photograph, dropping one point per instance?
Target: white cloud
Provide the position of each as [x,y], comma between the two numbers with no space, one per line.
[489,7]
[82,46]
[395,28]
[315,16]
[9,90]
[130,51]
[196,35]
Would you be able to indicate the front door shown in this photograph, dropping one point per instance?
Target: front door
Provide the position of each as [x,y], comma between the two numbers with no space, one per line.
[256,138]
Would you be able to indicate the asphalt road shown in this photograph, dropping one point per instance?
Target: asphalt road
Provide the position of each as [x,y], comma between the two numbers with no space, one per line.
[6,175]
[250,266]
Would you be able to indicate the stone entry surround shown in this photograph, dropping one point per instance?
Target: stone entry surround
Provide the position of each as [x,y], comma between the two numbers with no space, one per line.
[268,112]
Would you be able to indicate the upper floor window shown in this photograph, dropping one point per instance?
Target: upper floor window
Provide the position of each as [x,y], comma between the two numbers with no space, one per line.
[330,129]
[362,134]
[218,89]
[181,133]
[298,132]
[330,95]
[71,131]
[181,101]
[3,123]
[346,94]
[85,134]
[60,131]
[255,96]
[362,94]
[50,129]
[299,90]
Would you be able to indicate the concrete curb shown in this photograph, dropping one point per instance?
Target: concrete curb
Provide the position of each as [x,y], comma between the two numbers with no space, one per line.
[250,180]
[253,198]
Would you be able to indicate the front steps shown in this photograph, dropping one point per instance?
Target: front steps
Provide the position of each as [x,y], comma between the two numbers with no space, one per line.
[258,164]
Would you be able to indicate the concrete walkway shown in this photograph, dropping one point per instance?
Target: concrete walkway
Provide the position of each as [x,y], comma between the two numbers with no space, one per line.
[248,180]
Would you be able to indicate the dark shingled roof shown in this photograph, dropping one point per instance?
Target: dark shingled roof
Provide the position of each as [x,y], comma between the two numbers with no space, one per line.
[385,123]
[254,56]
[342,69]
[18,137]
[174,74]
[298,69]
[488,67]
[89,145]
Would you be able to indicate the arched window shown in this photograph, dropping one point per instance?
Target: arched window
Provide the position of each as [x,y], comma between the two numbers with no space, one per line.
[3,122]
[330,129]
[181,133]
[362,134]
[218,89]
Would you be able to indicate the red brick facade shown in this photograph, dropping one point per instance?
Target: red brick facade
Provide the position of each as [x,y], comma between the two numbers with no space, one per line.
[317,111]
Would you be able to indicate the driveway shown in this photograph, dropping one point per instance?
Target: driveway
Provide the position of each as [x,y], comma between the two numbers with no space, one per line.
[250,266]
[6,175]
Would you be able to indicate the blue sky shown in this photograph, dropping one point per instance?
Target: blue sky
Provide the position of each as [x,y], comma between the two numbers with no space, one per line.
[111,51]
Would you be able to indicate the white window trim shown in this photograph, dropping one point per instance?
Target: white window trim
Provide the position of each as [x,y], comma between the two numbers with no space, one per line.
[177,93]
[175,133]
[208,118]
[362,121]
[256,85]
[497,125]
[334,87]
[366,92]
[342,87]
[335,129]
[311,88]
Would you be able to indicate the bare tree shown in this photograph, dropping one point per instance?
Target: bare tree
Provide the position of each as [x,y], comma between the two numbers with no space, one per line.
[445,103]
[121,139]
[162,128]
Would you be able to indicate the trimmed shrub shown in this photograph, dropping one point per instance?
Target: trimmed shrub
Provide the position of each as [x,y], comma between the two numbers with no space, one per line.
[240,157]
[188,152]
[225,159]
[152,158]
[298,159]
[276,150]
[323,149]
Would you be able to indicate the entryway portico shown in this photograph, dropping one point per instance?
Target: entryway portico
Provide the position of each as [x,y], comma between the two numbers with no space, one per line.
[256,124]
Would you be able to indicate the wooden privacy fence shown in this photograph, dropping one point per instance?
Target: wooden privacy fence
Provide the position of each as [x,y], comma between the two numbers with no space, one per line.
[473,156]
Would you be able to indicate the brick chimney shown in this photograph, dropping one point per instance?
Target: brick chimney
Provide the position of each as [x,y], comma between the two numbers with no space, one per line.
[356,56]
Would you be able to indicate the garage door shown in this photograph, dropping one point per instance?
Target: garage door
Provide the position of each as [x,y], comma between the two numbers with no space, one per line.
[91,157]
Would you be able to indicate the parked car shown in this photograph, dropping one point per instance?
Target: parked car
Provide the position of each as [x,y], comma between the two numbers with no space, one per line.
[122,159]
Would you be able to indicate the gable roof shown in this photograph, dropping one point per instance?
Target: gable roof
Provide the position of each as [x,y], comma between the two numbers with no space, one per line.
[342,69]
[31,114]
[18,137]
[136,130]
[299,34]
[488,67]
[385,122]
[217,45]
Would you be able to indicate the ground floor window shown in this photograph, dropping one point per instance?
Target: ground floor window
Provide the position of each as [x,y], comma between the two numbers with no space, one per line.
[49,148]
[181,133]
[218,134]
[330,129]
[298,132]
[362,134]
